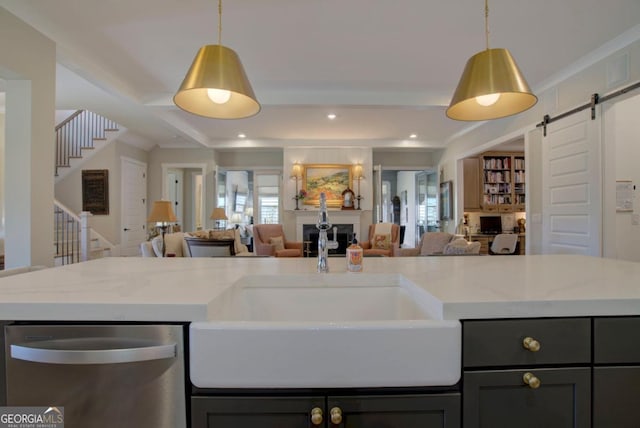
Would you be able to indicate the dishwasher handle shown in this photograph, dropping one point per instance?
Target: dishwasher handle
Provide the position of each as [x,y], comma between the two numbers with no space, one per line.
[92,351]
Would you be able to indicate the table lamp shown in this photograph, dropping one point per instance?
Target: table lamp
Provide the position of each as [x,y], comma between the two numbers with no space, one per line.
[218,215]
[162,213]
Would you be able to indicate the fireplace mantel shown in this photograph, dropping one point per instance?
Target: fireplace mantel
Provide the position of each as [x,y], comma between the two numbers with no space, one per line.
[335,216]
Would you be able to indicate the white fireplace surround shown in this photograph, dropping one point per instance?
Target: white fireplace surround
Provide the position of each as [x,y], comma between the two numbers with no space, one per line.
[334,216]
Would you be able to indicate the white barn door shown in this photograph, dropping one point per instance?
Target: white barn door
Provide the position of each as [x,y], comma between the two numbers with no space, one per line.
[572,186]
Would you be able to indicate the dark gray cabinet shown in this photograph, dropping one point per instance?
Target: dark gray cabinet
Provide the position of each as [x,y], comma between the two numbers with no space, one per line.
[527,373]
[251,412]
[502,399]
[376,411]
[616,373]
[389,411]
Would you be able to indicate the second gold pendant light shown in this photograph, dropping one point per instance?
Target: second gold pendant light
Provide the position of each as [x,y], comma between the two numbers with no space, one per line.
[492,86]
[216,85]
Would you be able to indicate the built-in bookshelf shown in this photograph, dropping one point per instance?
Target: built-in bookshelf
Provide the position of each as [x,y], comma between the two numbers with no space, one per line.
[503,182]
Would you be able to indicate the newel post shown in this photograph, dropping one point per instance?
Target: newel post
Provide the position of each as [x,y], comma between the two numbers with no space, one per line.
[85,233]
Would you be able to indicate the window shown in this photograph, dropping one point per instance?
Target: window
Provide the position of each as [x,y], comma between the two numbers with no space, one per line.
[268,198]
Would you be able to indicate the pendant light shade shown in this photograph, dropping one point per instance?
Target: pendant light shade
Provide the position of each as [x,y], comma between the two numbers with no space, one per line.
[491,85]
[217,69]
[493,76]
[216,85]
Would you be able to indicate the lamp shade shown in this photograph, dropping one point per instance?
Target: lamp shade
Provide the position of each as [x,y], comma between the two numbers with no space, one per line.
[491,72]
[296,171]
[217,67]
[236,218]
[218,214]
[161,212]
[357,172]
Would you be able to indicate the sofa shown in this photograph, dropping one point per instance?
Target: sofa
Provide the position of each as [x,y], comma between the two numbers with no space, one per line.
[177,246]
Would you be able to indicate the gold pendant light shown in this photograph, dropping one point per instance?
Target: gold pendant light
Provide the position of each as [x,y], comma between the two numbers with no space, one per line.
[491,86]
[216,85]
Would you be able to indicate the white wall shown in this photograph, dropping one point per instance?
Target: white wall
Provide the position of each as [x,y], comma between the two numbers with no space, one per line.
[621,163]
[28,66]
[69,189]
[2,176]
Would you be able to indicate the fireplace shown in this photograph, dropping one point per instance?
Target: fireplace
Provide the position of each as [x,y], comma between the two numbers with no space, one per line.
[344,235]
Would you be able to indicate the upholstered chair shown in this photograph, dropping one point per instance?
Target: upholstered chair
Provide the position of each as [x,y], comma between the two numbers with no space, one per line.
[431,243]
[383,240]
[269,240]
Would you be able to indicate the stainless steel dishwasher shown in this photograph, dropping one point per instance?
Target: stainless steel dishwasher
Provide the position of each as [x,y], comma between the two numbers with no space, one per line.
[103,375]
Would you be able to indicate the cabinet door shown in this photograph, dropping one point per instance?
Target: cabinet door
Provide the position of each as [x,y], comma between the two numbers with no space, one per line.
[388,411]
[501,399]
[615,397]
[472,188]
[252,412]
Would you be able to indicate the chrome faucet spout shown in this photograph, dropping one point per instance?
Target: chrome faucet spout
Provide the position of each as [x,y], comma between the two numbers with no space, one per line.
[324,244]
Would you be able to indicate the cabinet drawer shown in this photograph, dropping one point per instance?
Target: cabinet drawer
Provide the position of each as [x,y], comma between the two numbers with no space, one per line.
[501,342]
[501,399]
[616,340]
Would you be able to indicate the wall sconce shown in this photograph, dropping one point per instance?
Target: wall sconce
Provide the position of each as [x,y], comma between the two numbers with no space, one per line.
[218,215]
[296,173]
[358,175]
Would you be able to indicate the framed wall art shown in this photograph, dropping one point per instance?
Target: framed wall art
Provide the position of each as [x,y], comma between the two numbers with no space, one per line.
[333,180]
[95,191]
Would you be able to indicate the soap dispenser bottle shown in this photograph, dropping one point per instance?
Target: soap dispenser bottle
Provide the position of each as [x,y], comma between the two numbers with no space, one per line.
[354,256]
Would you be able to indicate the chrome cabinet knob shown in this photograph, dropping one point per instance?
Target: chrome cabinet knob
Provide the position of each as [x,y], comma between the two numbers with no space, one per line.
[336,415]
[316,416]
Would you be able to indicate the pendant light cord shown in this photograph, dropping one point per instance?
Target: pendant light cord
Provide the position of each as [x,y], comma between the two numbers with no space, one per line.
[486,22]
[220,22]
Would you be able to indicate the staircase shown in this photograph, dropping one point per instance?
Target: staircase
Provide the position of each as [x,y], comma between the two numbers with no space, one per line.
[77,138]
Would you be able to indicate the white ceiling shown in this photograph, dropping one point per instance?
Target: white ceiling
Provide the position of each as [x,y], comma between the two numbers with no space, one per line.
[386,68]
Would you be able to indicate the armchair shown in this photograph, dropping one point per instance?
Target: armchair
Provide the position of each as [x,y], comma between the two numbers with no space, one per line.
[269,240]
[431,243]
[383,240]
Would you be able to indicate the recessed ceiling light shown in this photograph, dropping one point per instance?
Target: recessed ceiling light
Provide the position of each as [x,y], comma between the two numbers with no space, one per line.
[413,136]
[331,116]
[241,135]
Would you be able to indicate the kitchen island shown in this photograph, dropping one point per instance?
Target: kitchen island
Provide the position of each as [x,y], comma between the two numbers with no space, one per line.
[540,333]
[183,289]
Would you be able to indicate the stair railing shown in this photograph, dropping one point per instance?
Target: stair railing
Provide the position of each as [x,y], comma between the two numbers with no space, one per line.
[73,236]
[78,132]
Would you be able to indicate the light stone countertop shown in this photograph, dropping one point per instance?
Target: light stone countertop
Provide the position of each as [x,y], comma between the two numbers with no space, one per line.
[182,289]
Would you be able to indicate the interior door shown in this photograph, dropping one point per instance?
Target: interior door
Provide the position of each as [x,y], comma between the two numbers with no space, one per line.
[134,206]
[572,186]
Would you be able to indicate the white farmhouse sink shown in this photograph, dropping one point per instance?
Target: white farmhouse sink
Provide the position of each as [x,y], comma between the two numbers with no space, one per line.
[324,330]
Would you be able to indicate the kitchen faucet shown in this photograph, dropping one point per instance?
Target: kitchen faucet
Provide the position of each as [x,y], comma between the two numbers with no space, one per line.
[323,242]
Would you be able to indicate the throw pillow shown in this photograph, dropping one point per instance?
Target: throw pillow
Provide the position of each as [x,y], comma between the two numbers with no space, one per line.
[381,242]
[199,233]
[461,246]
[277,242]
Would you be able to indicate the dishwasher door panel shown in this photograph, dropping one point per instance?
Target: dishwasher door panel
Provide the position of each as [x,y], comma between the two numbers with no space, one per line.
[103,376]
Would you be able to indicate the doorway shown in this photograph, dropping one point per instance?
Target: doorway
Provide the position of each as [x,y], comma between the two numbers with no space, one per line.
[184,185]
